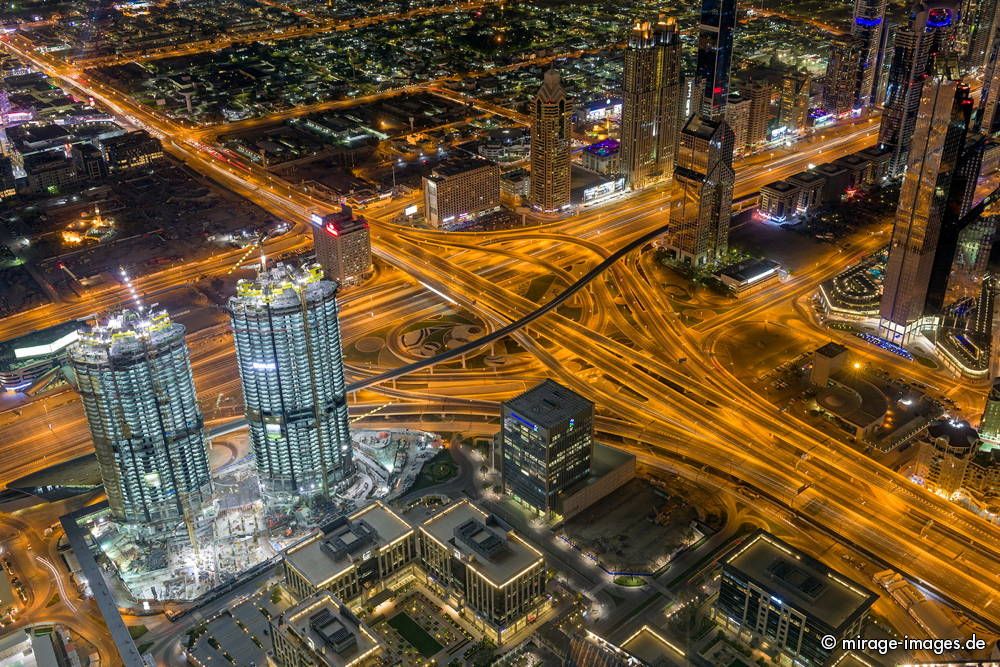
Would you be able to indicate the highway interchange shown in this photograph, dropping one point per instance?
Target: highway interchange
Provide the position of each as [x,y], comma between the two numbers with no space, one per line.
[618,342]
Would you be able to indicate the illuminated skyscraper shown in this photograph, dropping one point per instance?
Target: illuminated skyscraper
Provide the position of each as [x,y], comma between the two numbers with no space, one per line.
[988,116]
[548,443]
[982,18]
[652,83]
[287,335]
[551,140]
[869,23]
[699,219]
[760,113]
[937,142]
[715,54]
[989,427]
[840,92]
[133,373]
[929,36]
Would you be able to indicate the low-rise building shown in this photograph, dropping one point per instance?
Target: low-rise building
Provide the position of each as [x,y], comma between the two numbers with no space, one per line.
[477,561]
[603,157]
[750,276]
[516,183]
[779,201]
[773,592]
[459,191]
[810,185]
[47,173]
[322,632]
[353,557]
[130,150]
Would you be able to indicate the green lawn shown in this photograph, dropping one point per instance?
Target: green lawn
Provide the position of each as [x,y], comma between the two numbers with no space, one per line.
[416,635]
[137,631]
[439,469]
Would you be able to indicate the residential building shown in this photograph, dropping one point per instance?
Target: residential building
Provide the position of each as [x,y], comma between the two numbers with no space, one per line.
[547,444]
[287,333]
[133,373]
[459,191]
[343,246]
[772,592]
[551,140]
[840,89]
[760,114]
[652,82]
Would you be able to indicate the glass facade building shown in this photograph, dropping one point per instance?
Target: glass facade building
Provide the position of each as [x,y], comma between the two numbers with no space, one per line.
[134,377]
[547,446]
[287,334]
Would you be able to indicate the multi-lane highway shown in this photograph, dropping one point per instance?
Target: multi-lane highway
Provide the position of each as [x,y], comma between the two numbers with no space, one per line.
[624,353]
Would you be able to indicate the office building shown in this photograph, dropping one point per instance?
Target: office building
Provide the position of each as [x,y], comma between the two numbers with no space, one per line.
[840,92]
[353,557]
[772,592]
[551,140]
[650,105]
[130,150]
[321,632]
[989,426]
[937,142]
[547,444]
[760,114]
[343,245]
[738,119]
[927,38]
[459,191]
[133,373]
[287,335]
[715,54]
[779,201]
[699,230]
[795,88]
[867,33]
[479,559]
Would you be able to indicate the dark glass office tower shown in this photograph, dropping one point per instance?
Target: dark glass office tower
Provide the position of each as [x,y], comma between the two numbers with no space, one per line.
[715,54]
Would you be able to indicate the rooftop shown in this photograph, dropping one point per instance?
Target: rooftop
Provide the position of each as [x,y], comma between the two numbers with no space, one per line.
[854,400]
[549,405]
[346,540]
[456,166]
[495,551]
[604,148]
[281,286]
[751,270]
[806,178]
[39,343]
[781,186]
[126,334]
[800,581]
[831,350]
[320,625]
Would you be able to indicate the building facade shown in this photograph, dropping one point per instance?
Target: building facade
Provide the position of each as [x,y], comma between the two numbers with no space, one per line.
[927,38]
[867,29]
[479,562]
[652,82]
[715,55]
[459,191]
[130,150]
[287,334]
[937,141]
[551,141]
[133,373]
[770,591]
[795,87]
[547,444]
[343,245]
[699,229]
